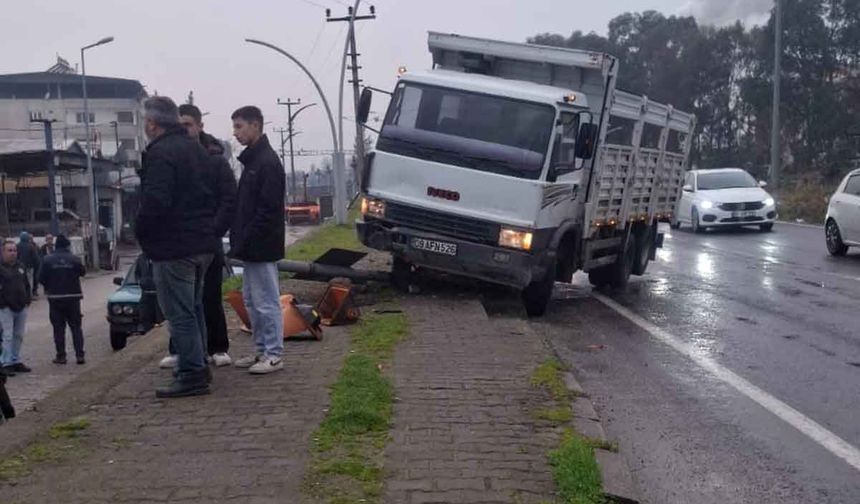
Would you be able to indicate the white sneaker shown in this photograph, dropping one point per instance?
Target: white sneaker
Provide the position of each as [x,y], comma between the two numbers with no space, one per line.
[169,362]
[246,362]
[221,359]
[267,365]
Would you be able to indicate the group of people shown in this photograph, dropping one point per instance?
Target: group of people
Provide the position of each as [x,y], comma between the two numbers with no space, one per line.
[189,201]
[60,272]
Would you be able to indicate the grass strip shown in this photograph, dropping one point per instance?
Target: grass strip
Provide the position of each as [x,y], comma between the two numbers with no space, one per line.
[348,444]
[575,470]
[61,444]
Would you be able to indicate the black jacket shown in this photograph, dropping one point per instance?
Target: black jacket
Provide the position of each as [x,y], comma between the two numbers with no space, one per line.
[257,234]
[61,274]
[177,208]
[223,185]
[14,287]
[28,254]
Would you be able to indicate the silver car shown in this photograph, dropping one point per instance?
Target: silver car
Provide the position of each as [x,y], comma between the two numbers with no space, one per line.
[842,226]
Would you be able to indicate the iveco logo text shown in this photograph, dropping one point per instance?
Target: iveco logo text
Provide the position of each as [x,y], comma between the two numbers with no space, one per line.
[443,193]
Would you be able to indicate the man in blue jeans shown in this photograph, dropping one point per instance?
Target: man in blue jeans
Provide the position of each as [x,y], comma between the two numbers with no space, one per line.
[257,239]
[14,300]
[175,229]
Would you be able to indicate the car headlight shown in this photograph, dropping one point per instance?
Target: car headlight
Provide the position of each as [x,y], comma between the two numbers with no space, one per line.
[512,238]
[707,205]
[372,207]
[116,309]
[769,202]
[128,309]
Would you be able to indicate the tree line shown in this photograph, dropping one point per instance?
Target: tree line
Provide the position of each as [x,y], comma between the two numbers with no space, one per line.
[724,76]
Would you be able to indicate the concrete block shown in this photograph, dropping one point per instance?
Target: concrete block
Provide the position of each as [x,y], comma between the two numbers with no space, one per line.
[583,408]
[573,385]
[617,480]
[589,428]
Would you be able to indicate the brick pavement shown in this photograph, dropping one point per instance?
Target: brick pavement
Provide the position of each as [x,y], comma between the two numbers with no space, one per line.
[247,442]
[462,425]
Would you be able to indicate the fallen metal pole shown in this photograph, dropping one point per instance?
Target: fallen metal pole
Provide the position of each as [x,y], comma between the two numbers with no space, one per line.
[324,270]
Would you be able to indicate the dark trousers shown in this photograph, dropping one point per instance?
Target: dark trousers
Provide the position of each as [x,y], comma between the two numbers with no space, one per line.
[213,308]
[65,312]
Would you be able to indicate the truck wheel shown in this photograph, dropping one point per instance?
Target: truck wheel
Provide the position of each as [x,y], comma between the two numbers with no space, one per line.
[623,267]
[537,294]
[401,273]
[644,241]
[118,340]
[599,277]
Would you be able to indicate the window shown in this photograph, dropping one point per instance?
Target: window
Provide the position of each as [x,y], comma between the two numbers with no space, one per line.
[127,144]
[853,185]
[79,118]
[688,179]
[35,115]
[726,180]
[564,152]
[125,117]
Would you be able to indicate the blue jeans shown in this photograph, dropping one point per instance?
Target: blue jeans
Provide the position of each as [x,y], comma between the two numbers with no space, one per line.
[179,284]
[262,295]
[13,325]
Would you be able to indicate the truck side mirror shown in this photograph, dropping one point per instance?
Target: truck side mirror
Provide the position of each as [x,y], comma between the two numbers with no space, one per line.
[364,106]
[586,140]
[687,188]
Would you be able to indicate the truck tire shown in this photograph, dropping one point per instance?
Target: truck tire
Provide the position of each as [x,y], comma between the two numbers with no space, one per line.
[401,273]
[644,242]
[600,277]
[118,340]
[537,294]
[620,272]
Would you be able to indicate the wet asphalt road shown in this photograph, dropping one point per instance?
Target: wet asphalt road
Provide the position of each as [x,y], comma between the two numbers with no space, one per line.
[773,308]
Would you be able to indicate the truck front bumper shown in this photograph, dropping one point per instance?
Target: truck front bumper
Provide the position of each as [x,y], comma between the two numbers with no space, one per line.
[484,262]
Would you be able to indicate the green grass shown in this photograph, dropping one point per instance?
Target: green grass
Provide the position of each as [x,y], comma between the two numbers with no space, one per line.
[575,471]
[348,444]
[556,416]
[61,443]
[549,376]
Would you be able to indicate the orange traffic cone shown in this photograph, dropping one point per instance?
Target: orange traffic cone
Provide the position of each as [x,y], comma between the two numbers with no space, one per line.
[337,306]
[299,319]
[234,298]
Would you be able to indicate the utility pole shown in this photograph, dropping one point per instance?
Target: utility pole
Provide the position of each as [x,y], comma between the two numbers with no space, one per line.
[775,148]
[356,82]
[289,103]
[52,179]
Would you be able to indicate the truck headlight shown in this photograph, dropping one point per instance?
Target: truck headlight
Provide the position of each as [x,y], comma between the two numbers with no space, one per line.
[515,239]
[769,202]
[373,207]
[128,309]
[116,309]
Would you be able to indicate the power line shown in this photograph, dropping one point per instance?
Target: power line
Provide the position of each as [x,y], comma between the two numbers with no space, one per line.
[310,2]
[316,41]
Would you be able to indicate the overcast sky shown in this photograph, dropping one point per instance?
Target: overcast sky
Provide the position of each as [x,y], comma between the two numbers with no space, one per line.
[176,46]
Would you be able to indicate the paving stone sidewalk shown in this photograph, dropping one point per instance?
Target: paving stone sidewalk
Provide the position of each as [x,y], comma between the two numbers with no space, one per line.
[463,430]
[247,442]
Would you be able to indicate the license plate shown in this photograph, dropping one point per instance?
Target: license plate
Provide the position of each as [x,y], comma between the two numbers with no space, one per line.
[748,213]
[437,247]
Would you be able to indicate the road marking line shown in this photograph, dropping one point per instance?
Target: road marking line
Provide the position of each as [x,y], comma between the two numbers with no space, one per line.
[815,431]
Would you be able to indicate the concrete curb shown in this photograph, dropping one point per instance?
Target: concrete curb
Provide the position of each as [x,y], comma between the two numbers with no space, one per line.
[77,396]
[616,476]
[798,224]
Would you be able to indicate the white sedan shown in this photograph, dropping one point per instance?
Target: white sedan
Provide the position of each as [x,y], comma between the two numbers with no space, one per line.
[842,225]
[724,197]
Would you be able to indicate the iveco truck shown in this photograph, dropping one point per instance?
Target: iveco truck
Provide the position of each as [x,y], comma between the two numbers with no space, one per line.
[521,164]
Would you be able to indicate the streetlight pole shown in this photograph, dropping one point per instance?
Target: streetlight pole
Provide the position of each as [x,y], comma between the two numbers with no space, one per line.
[291,117]
[340,191]
[94,204]
[775,147]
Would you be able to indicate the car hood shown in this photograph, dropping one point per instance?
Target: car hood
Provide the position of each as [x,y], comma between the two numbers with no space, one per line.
[735,195]
[126,294]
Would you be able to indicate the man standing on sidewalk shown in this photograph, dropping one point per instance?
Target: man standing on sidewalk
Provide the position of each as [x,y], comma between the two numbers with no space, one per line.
[28,255]
[257,238]
[14,300]
[48,248]
[61,274]
[174,227]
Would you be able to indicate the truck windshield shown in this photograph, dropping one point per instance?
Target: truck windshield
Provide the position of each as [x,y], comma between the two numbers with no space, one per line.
[725,180]
[481,132]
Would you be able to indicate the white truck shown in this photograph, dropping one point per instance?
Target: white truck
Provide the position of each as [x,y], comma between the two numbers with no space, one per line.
[520,164]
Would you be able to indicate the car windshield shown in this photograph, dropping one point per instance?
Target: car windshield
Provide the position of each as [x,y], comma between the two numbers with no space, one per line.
[725,180]
[471,130]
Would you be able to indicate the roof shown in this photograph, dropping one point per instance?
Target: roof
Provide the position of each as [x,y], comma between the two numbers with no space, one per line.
[40,85]
[8,146]
[495,86]
[717,170]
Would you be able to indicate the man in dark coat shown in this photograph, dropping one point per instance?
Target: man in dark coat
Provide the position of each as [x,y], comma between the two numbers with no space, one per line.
[28,255]
[175,229]
[257,238]
[223,185]
[14,300]
[61,274]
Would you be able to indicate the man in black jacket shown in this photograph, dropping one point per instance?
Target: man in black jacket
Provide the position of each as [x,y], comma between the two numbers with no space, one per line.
[61,274]
[175,229]
[14,300]
[223,184]
[257,238]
